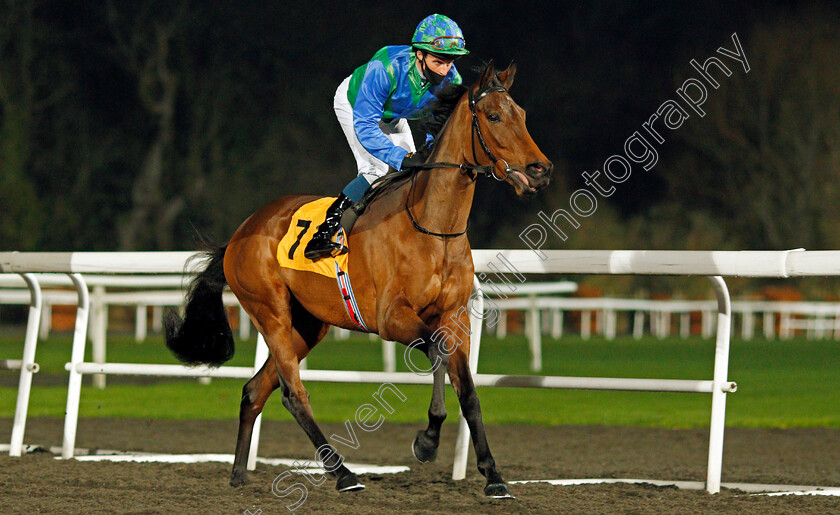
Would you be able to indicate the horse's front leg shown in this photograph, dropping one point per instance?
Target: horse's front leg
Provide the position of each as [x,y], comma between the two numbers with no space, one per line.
[399,322]
[461,377]
[426,442]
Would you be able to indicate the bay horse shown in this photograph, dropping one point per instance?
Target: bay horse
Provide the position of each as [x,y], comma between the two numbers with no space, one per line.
[412,268]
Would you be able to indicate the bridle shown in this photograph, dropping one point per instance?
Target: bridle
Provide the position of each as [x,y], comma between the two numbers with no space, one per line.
[476,130]
[474,169]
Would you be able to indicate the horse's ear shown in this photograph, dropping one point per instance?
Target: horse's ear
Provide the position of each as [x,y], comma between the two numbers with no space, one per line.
[486,75]
[507,76]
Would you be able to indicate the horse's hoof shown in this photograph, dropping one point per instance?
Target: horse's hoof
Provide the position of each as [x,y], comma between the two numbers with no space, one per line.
[348,483]
[498,491]
[238,479]
[424,448]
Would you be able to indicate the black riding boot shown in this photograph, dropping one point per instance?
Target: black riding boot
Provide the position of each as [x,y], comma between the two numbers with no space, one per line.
[321,244]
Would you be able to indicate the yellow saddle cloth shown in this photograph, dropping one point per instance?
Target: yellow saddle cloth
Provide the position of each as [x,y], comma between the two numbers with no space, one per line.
[303,226]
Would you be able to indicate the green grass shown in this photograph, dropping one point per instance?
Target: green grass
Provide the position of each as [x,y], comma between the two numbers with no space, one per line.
[781,383]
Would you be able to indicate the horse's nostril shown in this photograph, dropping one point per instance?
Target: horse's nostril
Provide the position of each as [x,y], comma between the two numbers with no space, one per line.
[537,169]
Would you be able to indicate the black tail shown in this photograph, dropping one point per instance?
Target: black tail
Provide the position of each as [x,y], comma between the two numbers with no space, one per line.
[203,336]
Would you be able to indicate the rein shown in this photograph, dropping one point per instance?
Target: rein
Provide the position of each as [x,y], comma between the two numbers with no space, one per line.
[423,229]
[487,171]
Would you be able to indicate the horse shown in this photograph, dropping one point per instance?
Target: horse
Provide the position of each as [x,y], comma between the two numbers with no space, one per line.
[412,271]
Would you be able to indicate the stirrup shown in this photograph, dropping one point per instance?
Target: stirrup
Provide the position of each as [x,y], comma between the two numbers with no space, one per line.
[338,249]
[332,250]
[319,249]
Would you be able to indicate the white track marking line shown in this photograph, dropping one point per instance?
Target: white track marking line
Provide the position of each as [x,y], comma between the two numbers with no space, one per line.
[753,488]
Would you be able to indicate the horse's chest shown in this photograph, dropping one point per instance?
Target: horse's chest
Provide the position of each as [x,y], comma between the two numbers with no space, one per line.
[436,294]
[430,291]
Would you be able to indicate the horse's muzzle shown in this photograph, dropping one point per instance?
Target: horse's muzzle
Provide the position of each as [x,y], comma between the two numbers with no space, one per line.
[539,174]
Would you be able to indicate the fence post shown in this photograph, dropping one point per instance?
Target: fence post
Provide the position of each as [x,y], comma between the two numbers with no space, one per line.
[534,326]
[611,324]
[27,364]
[685,325]
[46,320]
[71,412]
[140,330]
[585,324]
[724,317]
[389,359]
[99,331]
[557,324]
[639,324]
[244,324]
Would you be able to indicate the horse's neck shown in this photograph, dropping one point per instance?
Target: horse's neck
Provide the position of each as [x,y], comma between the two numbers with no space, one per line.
[441,198]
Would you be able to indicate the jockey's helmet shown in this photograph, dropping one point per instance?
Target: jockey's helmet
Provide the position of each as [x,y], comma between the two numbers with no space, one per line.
[439,35]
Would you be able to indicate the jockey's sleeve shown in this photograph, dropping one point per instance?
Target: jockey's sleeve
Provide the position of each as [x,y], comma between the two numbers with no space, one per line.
[367,113]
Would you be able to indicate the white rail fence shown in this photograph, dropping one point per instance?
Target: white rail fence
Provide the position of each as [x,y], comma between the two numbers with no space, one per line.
[818,319]
[544,314]
[155,291]
[713,264]
[101,300]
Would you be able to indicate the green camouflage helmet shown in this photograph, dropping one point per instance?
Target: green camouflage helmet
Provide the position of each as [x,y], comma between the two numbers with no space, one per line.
[438,34]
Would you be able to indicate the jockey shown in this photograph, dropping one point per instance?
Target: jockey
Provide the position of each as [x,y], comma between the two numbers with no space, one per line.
[373,106]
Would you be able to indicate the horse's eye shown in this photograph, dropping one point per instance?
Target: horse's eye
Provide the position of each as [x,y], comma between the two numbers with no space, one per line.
[494,118]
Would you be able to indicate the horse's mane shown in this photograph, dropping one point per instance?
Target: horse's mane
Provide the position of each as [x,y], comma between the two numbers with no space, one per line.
[441,108]
[445,101]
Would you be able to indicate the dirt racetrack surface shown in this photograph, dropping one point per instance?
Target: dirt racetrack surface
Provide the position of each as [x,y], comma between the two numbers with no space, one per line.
[38,483]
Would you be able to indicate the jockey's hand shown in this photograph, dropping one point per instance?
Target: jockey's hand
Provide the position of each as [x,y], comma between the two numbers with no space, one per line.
[412,160]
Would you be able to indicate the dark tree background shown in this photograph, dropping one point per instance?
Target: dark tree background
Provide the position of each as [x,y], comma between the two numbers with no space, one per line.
[124,125]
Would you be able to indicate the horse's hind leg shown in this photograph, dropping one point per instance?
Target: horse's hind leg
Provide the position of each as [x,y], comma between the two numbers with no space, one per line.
[254,395]
[306,332]
[288,346]
[296,400]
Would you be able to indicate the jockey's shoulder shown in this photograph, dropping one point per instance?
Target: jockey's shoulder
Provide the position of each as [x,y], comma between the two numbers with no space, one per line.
[392,54]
